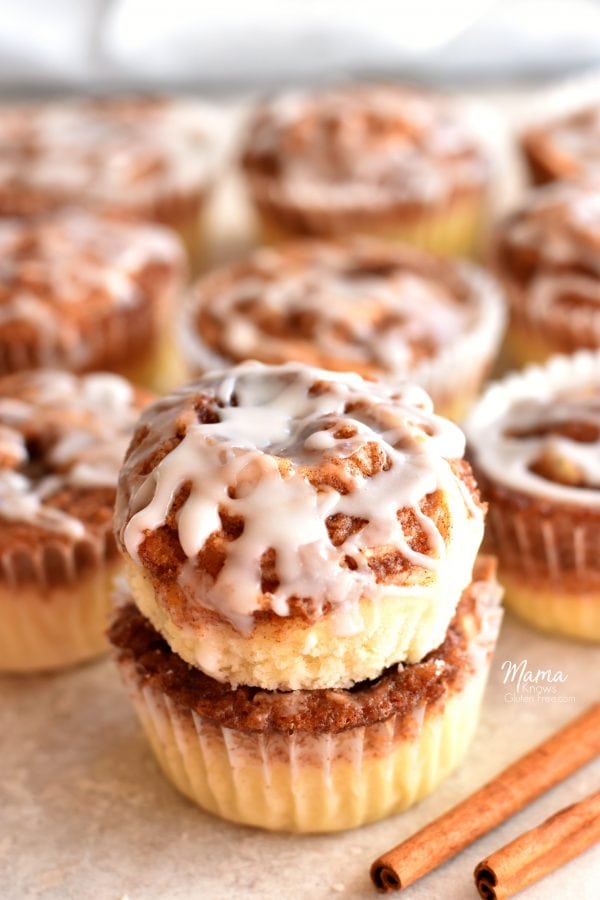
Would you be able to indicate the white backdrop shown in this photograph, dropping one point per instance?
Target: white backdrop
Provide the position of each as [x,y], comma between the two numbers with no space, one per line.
[252,43]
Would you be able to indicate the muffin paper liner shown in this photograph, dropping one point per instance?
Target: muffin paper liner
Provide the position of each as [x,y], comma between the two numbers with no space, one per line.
[550,569]
[54,606]
[309,781]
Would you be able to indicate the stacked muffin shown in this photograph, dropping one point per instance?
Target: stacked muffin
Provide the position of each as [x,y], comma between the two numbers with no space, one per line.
[304,637]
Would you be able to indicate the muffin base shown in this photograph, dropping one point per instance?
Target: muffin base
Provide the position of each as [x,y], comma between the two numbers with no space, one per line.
[456,230]
[53,628]
[306,782]
[554,610]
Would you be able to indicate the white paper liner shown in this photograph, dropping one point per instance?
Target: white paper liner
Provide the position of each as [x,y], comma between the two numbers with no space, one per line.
[317,782]
[54,605]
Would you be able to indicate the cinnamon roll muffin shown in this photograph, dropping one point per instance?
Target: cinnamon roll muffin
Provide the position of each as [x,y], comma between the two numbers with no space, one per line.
[142,158]
[547,257]
[565,148]
[359,305]
[82,292]
[535,442]
[296,529]
[313,760]
[62,438]
[384,160]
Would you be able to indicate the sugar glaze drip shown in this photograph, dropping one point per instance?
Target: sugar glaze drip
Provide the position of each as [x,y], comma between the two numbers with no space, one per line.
[278,425]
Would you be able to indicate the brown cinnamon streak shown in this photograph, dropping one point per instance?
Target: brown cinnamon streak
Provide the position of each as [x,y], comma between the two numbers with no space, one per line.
[524,780]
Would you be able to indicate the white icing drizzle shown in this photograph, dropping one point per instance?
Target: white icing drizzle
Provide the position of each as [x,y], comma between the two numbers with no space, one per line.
[563,392]
[382,323]
[68,259]
[253,463]
[85,425]
[115,153]
[366,146]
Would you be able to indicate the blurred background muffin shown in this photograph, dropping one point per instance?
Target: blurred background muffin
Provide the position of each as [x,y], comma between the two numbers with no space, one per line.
[138,158]
[83,292]
[534,439]
[546,255]
[381,160]
[357,305]
[62,438]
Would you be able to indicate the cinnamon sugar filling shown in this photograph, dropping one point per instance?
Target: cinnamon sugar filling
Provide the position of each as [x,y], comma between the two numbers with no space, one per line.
[397,692]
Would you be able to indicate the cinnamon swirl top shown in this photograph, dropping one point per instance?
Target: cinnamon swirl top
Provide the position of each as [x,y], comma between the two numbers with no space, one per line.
[356,306]
[261,487]
[549,250]
[62,440]
[357,147]
[568,147]
[70,283]
[112,155]
[537,433]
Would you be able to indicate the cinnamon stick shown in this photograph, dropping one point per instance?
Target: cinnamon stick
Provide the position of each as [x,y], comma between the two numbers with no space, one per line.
[536,853]
[524,780]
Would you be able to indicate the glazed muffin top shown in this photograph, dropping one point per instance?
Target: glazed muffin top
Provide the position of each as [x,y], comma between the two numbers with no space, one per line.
[362,146]
[112,155]
[398,692]
[288,490]
[69,278]
[537,433]
[62,440]
[567,147]
[358,305]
